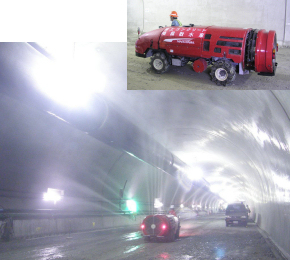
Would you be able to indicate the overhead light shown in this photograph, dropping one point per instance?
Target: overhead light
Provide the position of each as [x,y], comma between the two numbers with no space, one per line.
[71,81]
[194,174]
[157,203]
[54,195]
[215,188]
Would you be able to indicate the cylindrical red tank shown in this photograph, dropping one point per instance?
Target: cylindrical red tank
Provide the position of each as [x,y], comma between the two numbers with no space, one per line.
[159,225]
[266,47]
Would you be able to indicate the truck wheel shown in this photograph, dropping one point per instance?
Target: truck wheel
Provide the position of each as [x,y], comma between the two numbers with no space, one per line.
[171,236]
[223,72]
[159,62]
[177,233]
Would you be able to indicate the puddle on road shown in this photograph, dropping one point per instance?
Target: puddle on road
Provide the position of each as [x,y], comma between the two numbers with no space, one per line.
[49,253]
[132,236]
[220,253]
[132,249]
[165,255]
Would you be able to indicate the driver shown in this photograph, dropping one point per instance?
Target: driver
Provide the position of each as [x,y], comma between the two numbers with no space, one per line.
[173,18]
[172,210]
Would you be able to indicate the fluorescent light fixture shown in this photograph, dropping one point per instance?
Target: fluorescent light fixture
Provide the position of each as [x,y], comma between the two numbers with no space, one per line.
[195,174]
[216,188]
[54,195]
[157,203]
[71,81]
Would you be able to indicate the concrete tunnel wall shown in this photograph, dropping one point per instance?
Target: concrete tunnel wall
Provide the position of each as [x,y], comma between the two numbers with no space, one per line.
[40,151]
[53,153]
[53,226]
[269,15]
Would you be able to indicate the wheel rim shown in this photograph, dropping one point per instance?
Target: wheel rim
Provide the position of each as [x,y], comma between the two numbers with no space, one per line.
[221,74]
[158,64]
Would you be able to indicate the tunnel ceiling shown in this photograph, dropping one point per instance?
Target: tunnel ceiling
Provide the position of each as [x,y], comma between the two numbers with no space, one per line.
[238,140]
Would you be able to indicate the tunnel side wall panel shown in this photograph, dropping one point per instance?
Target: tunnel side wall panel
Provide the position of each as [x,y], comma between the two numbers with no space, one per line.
[54,226]
[274,218]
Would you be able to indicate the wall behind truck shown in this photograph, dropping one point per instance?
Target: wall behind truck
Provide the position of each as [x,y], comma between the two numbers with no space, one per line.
[268,14]
[24,228]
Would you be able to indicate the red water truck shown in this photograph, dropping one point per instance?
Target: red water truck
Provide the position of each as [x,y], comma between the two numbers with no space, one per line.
[227,49]
[161,227]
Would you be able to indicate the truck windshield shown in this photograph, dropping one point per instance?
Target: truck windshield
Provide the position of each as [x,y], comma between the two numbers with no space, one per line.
[236,207]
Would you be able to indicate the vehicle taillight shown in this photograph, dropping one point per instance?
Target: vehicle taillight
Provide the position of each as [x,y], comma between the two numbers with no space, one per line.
[142,226]
[274,54]
[163,226]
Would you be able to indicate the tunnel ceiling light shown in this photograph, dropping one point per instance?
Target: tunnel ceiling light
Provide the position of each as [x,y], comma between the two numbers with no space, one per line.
[54,195]
[194,174]
[71,81]
[157,203]
[215,188]
[231,195]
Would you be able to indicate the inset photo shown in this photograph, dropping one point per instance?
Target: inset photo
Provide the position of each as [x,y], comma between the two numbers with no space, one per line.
[208,45]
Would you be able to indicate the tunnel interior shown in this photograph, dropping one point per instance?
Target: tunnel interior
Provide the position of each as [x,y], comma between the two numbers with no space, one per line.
[205,148]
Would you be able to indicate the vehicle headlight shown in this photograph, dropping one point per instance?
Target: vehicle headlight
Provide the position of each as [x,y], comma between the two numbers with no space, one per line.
[243,217]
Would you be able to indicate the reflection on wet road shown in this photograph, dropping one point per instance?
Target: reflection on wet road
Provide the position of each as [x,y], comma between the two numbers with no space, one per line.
[132,248]
[50,253]
[132,236]
[204,237]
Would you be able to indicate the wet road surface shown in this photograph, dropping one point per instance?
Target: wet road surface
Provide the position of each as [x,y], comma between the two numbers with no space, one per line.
[203,237]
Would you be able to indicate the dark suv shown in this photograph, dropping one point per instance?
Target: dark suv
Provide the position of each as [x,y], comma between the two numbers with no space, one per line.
[237,213]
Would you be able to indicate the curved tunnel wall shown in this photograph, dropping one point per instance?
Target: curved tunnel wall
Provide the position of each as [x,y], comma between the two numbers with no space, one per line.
[239,138]
[243,136]
[100,121]
[40,151]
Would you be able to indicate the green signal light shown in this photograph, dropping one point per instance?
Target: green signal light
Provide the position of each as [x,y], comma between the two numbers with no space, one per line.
[131,205]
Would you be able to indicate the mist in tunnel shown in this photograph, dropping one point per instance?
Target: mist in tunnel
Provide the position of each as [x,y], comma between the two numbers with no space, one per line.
[180,147]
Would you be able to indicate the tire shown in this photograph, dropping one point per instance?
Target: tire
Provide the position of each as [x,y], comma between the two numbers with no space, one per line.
[223,73]
[177,233]
[171,236]
[159,62]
